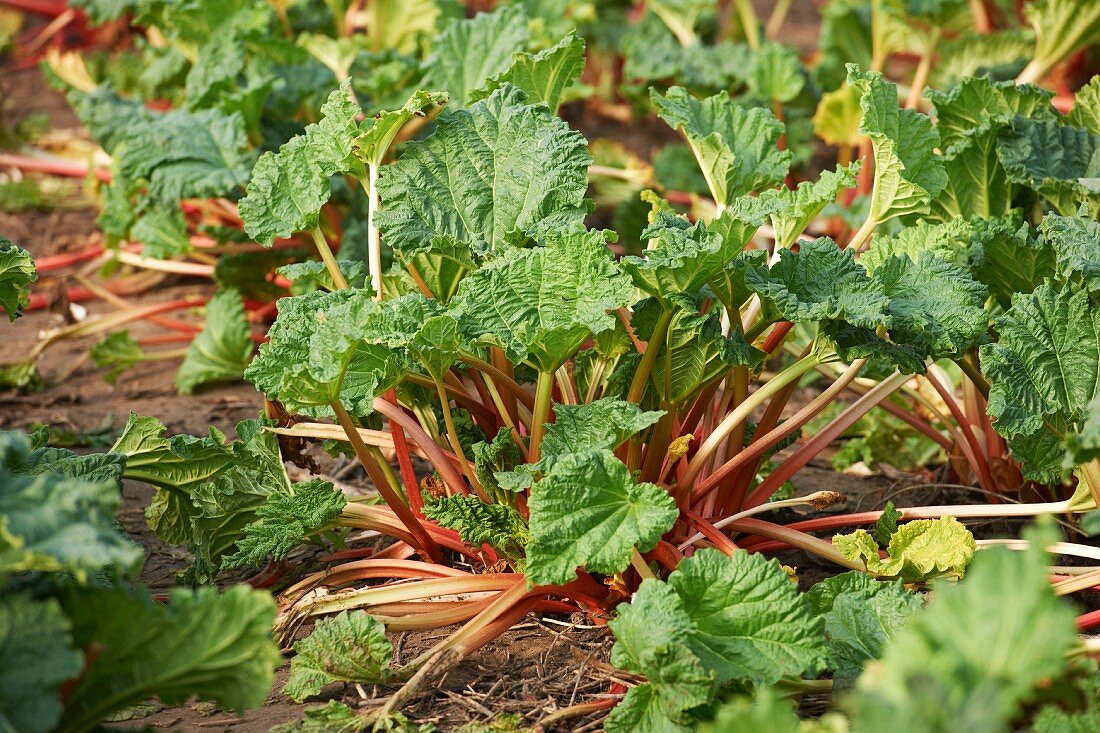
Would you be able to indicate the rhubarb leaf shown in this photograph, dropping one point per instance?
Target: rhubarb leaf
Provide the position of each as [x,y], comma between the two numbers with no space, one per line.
[1054,160]
[497,525]
[222,350]
[819,282]
[54,523]
[116,353]
[887,525]
[216,646]
[174,467]
[748,619]
[350,647]
[542,303]
[950,240]
[860,623]
[791,211]
[1008,258]
[978,650]
[162,233]
[908,171]
[316,354]
[683,257]
[1075,241]
[919,550]
[544,76]
[936,310]
[980,102]
[1043,373]
[1086,107]
[499,170]
[314,275]
[651,639]
[36,659]
[469,52]
[589,512]
[420,326]
[1084,445]
[284,521]
[376,135]
[775,74]
[17,272]
[734,146]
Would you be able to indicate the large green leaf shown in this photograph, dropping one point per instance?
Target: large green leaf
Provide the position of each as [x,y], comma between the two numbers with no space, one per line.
[1008,257]
[468,53]
[222,349]
[734,146]
[949,240]
[1075,241]
[544,76]
[791,211]
[55,523]
[542,303]
[908,171]
[174,467]
[36,658]
[216,646]
[316,354]
[1061,27]
[589,512]
[775,73]
[377,134]
[1053,158]
[499,170]
[683,257]
[497,525]
[651,639]
[351,647]
[284,521]
[819,282]
[421,327]
[16,275]
[935,311]
[978,650]
[1043,372]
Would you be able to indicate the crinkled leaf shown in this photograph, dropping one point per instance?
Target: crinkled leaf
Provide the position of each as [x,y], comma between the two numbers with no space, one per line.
[950,240]
[822,595]
[202,643]
[55,523]
[314,275]
[174,467]
[819,282]
[1043,372]
[734,146]
[651,638]
[542,303]
[497,525]
[1008,258]
[860,623]
[589,512]
[420,326]
[500,455]
[544,76]
[470,52]
[908,171]
[1086,107]
[1053,159]
[791,211]
[836,120]
[16,275]
[316,354]
[1075,241]
[978,650]
[683,257]
[981,102]
[36,658]
[919,550]
[935,311]
[222,349]
[748,619]
[377,134]
[775,73]
[887,525]
[498,169]
[162,232]
[285,521]
[350,647]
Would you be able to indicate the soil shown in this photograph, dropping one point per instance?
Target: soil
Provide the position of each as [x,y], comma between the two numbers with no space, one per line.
[540,666]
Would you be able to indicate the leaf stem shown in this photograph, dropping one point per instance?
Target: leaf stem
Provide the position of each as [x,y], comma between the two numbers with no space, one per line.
[544,389]
[456,444]
[381,483]
[374,245]
[331,265]
[649,358]
[863,235]
[741,413]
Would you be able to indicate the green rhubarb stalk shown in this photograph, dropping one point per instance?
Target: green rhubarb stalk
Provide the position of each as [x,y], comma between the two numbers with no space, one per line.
[329,259]
[649,358]
[543,393]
